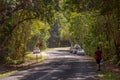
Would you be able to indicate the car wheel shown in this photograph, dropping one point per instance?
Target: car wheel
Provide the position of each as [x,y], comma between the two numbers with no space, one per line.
[75,52]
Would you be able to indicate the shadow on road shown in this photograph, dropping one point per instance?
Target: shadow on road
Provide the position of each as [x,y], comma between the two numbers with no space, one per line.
[59,70]
[63,50]
[62,66]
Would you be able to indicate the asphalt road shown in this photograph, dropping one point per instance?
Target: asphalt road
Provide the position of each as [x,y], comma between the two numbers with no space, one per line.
[60,65]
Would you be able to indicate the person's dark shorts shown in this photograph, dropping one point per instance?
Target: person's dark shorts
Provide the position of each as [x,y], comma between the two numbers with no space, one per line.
[98,61]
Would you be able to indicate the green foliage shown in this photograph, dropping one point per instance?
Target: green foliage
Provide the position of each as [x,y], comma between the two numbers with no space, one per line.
[20,22]
[91,23]
[30,56]
[104,75]
[80,25]
[64,29]
[39,34]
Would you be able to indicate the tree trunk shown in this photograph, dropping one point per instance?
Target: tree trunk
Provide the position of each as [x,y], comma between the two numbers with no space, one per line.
[118,33]
[107,27]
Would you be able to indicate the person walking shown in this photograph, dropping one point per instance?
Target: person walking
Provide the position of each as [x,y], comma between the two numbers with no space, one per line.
[98,57]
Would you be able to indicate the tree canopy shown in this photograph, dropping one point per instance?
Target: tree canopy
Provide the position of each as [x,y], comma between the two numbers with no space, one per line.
[90,23]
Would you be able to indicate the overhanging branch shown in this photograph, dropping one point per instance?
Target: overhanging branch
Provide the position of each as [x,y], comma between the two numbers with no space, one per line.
[14,27]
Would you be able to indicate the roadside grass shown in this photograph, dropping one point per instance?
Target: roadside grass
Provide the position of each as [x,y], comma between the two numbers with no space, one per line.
[34,57]
[29,56]
[8,73]
[47,49]
[106,75]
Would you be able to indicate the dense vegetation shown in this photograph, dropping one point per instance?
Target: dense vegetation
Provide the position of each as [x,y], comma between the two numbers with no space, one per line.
[23,24]
[91,23]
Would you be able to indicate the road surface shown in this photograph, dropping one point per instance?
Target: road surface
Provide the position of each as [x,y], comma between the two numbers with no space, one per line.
[60,65]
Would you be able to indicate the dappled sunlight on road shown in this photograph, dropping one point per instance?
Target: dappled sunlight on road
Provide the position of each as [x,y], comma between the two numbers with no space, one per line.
[59,54]
[59,65]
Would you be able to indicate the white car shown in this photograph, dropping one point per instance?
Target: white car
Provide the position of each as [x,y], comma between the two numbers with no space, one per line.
[71,49]
[36,50]
[76,48]
[81,52]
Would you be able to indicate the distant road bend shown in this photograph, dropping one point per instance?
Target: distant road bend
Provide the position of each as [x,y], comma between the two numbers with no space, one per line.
[60,65]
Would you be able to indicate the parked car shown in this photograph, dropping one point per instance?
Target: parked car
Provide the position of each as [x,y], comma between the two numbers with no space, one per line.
[76,49]
[71,49]
[36,50]
[81,52]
